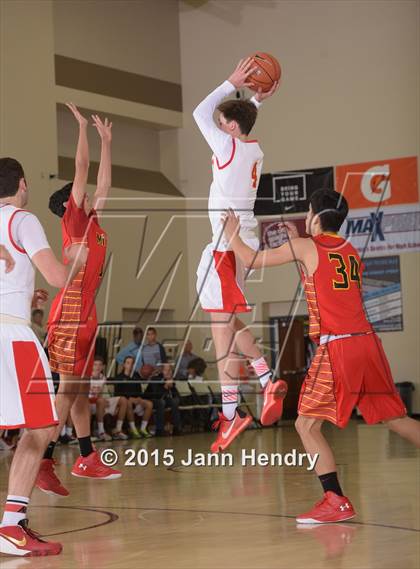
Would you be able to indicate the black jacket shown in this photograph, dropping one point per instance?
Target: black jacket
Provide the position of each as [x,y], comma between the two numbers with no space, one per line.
[126,386]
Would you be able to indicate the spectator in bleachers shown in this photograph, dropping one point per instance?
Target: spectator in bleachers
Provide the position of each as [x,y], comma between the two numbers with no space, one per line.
[132,349]
[152,352]
[196,369]
[37,324]
[162,391]
[183,361]
[128,385]
[102,402]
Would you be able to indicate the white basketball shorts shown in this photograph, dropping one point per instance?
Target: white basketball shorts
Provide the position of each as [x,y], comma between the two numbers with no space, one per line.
[27,397]
[221,280]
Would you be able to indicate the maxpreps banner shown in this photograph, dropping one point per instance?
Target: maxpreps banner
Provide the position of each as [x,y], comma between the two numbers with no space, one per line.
[383,231]
[383,197]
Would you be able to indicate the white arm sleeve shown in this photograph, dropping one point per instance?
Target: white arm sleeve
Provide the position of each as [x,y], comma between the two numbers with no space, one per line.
[219,141]
[28,233]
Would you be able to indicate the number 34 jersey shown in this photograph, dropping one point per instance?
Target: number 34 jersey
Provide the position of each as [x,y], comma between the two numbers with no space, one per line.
[333,292]
[235,186]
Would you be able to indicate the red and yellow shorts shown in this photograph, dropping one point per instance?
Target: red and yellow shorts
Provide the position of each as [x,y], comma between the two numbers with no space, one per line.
[346,373]
[72,339]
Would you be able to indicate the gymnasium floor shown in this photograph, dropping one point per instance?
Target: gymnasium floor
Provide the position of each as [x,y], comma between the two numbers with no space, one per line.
[237,517]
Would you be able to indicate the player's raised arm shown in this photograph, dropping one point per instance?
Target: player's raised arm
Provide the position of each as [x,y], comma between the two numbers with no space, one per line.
[104,172]
[260,96]
[292,251]
[82,158]
[219,141]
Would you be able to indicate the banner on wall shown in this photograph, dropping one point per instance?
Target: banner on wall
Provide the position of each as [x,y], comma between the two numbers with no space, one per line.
[373,233]
[286,193]
[382,293]
[381,183]
[384,231]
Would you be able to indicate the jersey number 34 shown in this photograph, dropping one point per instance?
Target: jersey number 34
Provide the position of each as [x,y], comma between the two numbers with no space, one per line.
[346,272]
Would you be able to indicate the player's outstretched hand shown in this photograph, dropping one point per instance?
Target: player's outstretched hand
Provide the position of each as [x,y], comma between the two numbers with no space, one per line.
[243,70]
[77,114]
[292,230]
[104,128]
[231,224]
[7,258]
[40,297]
[260,96]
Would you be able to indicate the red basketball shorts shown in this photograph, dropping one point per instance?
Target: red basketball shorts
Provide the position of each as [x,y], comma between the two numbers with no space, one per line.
[346,373]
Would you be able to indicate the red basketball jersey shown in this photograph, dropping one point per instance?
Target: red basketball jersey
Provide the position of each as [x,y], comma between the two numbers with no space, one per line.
[333,292]
[78,227]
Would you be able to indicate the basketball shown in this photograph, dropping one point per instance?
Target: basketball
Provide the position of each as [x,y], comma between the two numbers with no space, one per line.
[268,71]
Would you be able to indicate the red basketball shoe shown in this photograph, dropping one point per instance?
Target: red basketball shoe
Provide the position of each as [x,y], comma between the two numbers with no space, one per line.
[48,481]
[20,540]
[274,393]
[332,508]
[229,430]
[92,467]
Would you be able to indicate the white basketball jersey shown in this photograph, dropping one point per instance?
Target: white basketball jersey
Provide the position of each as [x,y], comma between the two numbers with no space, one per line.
[16,287]
[234,186]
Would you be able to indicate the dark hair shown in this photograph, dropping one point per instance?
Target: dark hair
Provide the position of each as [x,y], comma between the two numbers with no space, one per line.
[128,358]
[99,359]
[331,207]
[243,112]
[11,172]
[151,329]
[199,365]
[37,311]
[58,198]
[137,331]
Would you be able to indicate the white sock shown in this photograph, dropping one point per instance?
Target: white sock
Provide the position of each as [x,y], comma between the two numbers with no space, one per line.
[132,426]
[143,425]
[262,370]
[101,429]
[14,510]
[229,400]
[63,431]
[69,431]
[119,426]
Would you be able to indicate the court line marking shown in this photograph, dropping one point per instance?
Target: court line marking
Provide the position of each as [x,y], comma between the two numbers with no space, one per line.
[111,518]
[114,517]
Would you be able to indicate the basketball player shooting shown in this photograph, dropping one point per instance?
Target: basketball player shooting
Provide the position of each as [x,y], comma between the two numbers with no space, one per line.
[350,367]
[72,324]
[236,163]
[26,389]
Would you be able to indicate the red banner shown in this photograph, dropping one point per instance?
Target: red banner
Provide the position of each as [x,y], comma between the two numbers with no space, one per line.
[384,182]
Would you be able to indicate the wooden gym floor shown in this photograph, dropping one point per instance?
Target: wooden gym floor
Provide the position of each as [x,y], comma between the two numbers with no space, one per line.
[237,517]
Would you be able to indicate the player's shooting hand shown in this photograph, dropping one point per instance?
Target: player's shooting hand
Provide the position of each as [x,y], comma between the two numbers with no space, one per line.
[243,70]
[77,253]
[231,224]
[7,258]
[40,297]
[104,128]
[77,114]
[260,96]
[292,230]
